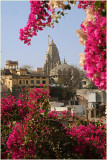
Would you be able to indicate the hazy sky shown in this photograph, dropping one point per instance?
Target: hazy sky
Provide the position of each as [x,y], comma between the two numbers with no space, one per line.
[14,16]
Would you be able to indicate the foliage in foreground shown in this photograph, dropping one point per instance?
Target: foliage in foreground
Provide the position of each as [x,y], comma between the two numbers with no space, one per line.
[30,131]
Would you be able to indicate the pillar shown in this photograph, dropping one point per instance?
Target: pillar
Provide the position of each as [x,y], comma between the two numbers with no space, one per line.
[7,66]
[94,112]
[89,114]
[106,109]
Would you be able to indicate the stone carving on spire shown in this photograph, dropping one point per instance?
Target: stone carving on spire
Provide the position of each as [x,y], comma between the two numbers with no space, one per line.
[52,58]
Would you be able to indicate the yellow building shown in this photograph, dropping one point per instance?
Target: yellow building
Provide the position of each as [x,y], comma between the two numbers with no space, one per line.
[14,79]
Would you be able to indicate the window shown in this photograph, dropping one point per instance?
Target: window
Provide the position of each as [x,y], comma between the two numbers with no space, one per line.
[37,81]
[44,82]
[26,81]
[43,77]
[84,82]
[32,81]
[38,86]
[92,114]
[20,82]
[74,102]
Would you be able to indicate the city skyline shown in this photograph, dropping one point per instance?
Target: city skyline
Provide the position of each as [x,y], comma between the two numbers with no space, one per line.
[63,34]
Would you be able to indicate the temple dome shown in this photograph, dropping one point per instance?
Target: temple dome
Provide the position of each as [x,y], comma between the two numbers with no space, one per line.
[62,67]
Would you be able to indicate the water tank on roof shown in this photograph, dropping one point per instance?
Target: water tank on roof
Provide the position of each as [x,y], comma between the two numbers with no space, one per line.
[92,97]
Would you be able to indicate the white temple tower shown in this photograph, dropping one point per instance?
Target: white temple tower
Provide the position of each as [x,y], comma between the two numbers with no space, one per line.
[52,58]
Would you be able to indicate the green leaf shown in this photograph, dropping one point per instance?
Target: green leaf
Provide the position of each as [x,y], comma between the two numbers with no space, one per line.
[72,2]
[58,12]
[56,21]
[67,7]
[103,13]
[62,13]
[59,16]
[98,5]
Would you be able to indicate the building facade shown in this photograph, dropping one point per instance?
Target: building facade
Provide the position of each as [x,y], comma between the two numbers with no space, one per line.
[14,80]
[94,100]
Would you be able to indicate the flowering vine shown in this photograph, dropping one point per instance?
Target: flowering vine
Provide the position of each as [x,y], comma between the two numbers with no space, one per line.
[37,133]
[93,35]
[38,19]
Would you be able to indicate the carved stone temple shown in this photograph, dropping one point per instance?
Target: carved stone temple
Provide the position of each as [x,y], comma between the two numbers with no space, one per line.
[52,58]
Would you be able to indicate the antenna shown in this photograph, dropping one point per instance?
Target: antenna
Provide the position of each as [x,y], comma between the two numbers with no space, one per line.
[48,39]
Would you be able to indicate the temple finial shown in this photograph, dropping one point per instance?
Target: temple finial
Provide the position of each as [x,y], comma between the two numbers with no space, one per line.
[48,39]
[52,41]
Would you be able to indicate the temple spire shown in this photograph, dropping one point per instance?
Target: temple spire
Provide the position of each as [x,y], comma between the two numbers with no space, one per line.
[48,39]
[52,57]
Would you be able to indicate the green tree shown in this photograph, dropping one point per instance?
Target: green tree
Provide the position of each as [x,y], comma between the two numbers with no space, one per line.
[71,77]
[92,86]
